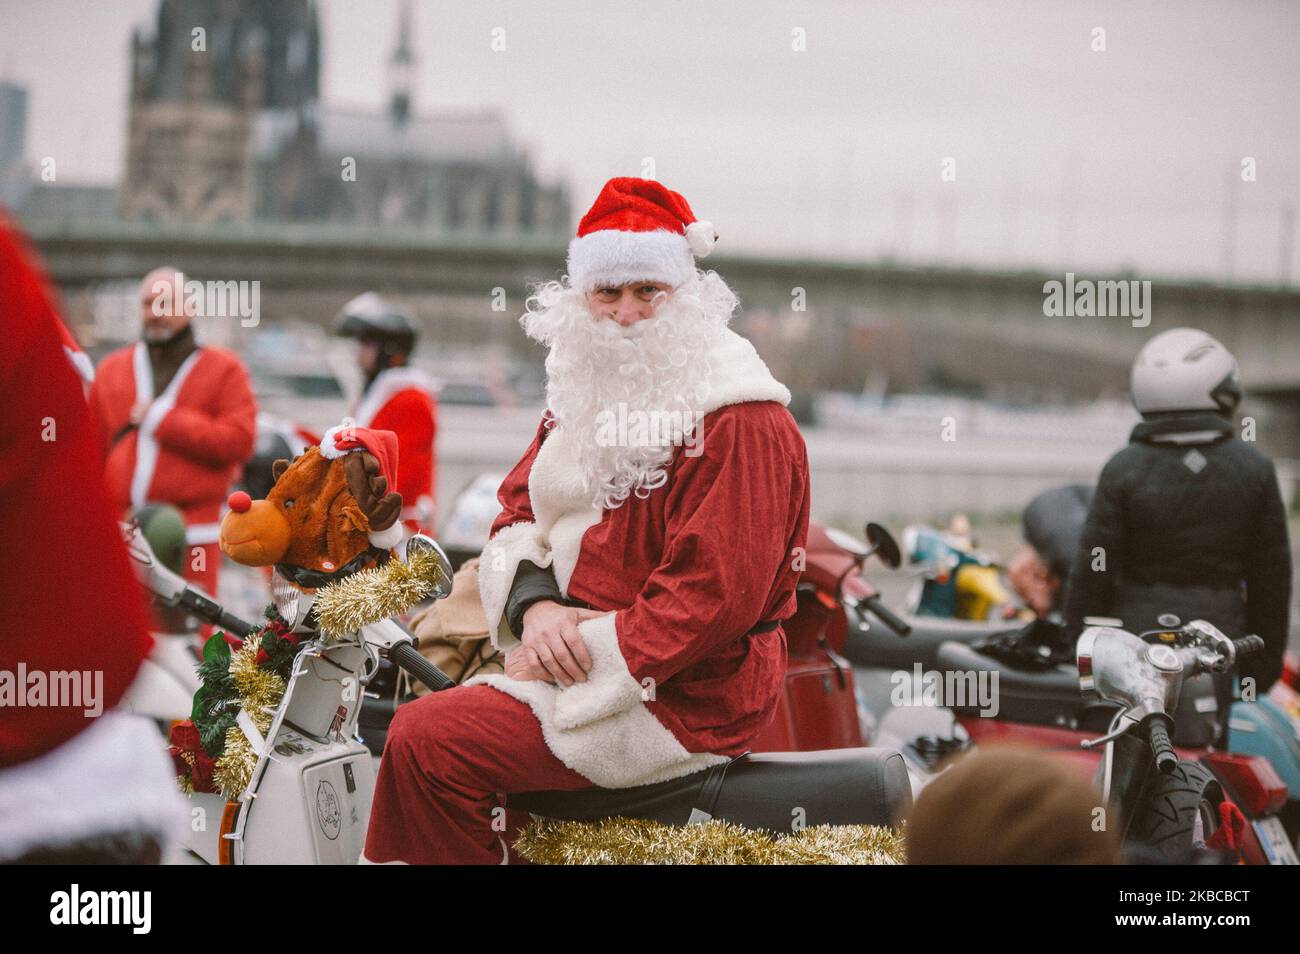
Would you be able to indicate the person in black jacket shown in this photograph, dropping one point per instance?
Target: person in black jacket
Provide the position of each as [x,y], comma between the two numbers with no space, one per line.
[1188,518]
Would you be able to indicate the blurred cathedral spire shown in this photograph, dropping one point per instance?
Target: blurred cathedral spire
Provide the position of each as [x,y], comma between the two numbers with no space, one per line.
[402,68]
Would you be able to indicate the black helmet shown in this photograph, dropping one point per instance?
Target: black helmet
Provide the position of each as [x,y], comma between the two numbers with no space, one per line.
[369,317]
[269,445]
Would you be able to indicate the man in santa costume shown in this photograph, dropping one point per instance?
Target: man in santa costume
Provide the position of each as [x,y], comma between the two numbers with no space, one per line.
[178,419]
[644,558]
[397,397]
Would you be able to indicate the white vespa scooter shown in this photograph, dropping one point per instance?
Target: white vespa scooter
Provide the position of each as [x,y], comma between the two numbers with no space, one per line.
[309,795]
[308,800]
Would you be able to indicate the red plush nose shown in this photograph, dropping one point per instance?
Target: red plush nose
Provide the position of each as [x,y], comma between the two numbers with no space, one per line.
[239,502]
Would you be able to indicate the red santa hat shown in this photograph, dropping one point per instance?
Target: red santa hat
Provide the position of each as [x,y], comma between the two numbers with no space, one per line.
[348,439]
[637,230]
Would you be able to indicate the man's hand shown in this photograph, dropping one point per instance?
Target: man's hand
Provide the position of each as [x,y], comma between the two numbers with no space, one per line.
[553,650]
[138,411]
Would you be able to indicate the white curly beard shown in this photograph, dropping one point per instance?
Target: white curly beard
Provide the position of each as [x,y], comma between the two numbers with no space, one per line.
[628,395]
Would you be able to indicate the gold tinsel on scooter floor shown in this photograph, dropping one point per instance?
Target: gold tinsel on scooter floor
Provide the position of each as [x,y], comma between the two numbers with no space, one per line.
[626,841]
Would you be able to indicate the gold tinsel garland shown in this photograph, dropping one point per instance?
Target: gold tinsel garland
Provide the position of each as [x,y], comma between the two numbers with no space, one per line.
[341,608]
[260,692]
[628,841]
[371,595]
[184,781]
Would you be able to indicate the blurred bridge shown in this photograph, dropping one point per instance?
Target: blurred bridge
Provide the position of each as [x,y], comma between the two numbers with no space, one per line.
[820,324]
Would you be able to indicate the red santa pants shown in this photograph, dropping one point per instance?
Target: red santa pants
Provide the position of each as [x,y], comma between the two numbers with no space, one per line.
[447,757]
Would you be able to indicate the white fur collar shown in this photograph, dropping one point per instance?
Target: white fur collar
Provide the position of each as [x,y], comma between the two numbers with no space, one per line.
[386,384]
[738,375]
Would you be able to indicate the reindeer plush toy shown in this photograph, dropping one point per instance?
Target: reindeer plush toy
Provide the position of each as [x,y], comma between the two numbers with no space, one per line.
[329,514]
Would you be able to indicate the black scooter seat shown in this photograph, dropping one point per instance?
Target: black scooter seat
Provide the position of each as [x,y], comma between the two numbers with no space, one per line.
[1061,681]
[878,647]
[863,786]
[1039,697]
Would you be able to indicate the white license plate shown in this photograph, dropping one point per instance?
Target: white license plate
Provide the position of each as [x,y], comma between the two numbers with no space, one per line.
[1276,845]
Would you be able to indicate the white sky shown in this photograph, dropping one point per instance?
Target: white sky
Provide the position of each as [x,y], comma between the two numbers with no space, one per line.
[1065,157]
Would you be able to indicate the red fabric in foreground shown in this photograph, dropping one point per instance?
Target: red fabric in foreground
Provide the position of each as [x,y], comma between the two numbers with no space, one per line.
[70,599]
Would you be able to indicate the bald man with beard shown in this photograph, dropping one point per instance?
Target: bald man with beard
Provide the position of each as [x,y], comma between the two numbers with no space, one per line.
[178,418]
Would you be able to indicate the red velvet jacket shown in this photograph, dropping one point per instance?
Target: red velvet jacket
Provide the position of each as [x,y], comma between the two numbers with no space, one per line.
[697,565]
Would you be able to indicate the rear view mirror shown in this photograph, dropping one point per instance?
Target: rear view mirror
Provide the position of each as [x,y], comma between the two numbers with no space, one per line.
[884,545]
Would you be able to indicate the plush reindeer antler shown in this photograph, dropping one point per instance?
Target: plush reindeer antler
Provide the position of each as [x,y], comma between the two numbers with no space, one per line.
[380,505]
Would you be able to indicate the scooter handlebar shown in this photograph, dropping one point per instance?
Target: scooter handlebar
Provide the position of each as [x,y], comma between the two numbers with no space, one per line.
[886,616]
[1248,644]
[1163,750]
[172,589]
[209,610]
[409,659]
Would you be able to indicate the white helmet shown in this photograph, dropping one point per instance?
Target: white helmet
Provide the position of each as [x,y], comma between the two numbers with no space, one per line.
[1185,370]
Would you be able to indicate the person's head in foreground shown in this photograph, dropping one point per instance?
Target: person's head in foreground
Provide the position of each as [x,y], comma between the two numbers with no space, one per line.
[1009,806]
[631,329]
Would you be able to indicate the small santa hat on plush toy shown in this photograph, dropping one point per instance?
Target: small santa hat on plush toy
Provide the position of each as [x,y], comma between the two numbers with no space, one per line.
[637,230]
[382,445]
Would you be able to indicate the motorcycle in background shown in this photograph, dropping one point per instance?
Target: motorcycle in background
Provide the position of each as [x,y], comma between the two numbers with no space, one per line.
[1040,706]
[1168,802]
[1038,692]
[468,523]
[1269,727]
[819,707]
[957,580]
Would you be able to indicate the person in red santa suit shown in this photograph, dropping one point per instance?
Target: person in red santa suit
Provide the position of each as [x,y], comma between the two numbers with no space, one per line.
[397,397]
[644,558]
[178,418]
